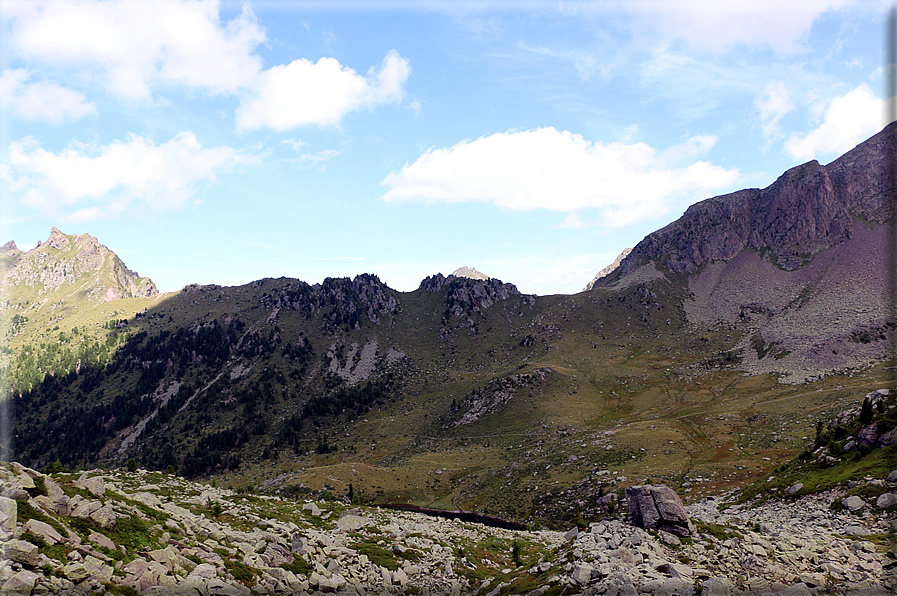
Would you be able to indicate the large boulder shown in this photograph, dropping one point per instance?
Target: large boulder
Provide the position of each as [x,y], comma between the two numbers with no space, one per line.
[658,507]
[94,484]
[21,551]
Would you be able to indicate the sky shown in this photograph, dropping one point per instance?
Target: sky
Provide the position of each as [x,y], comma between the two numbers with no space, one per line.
[223,142]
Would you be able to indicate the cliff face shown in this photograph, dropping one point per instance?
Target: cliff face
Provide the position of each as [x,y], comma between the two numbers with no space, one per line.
[78,262]
[809,209]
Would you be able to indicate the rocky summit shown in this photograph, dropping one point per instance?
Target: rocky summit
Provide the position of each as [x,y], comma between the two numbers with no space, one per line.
[806,252]
[139,532]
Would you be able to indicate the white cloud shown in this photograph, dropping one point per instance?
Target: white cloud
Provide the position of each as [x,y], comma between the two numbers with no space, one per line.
[848,120]
[561,171]
[133,49]
[134,46]
[305,93]
[41,101]
[296,144]
[84,184]
[774,104]
[316,158]
[721,26]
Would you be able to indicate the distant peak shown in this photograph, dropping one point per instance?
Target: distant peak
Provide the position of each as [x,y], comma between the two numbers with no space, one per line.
[469,272]
[9,248]
[57,239]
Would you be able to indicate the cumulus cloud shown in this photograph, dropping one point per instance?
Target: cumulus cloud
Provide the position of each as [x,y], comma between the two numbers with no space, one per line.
[319,93]
[81,183]
[134,46]
[721,26]
[773,104]
[133,49]
[41,101]
[560,171]
[848,120]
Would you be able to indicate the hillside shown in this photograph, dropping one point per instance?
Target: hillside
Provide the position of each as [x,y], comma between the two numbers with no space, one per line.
[801,266]
[467,393]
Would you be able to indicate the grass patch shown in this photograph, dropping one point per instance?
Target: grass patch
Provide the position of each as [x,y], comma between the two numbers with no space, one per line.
[378,555]
[717,531]
[242,572]
[299,566]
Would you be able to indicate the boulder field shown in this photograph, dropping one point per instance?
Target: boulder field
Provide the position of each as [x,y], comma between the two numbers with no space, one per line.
[122,532]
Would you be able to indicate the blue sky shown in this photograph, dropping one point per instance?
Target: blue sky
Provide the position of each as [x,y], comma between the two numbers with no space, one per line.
[218,142]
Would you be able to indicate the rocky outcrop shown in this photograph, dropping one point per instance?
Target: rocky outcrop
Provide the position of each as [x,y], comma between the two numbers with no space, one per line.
[9,250]
[658,507]
[808,209]
[346,302]
[470,273]
[607,270]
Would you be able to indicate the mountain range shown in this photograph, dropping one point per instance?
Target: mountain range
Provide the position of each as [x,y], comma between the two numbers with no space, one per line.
[703,358]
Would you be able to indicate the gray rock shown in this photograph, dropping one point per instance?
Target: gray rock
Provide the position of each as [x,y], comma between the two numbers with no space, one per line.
[658,507]
[76,572]
[717,586]
[582,574]
[669,539]
[672,586]
[794,488]
[8,515]
[853,503]
[351,523]
[97,570]
[868,436]
[889,438]
[297,544]
[892,477]
[204,571]
[799,589]
[886,500]
[217,587]
[855,530]
[101,540]
[21,551]
[21,583]
[44,530]
[95,485]
[313,507]
[104,516]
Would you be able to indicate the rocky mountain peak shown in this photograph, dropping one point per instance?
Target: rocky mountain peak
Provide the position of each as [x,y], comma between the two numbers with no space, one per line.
[57,239]
[9,249]
[470,273]
[807,210]
[79,261]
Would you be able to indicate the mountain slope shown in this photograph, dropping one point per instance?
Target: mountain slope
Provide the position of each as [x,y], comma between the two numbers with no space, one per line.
[466,393]
[800,266]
